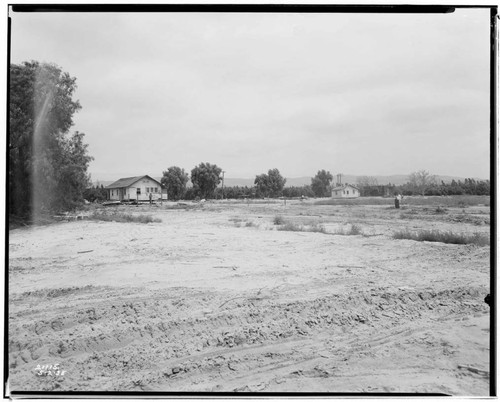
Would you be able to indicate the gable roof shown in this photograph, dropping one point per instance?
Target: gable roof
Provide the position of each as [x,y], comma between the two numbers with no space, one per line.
[128,181]
[343,186]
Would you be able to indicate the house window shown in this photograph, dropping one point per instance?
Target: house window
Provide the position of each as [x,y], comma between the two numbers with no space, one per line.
[347,192]
[138,191]
[156,189]
[147,189]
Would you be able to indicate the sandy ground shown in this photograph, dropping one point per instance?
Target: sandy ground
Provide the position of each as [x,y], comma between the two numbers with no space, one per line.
[214,298]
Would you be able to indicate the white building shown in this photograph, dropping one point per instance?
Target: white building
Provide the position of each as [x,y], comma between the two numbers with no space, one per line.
[135,188]
[345,191]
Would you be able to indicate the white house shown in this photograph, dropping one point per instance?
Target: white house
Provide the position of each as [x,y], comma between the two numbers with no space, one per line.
[345,191]
[135,188]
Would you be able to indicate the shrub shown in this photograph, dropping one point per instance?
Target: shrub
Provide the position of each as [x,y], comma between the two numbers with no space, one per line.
[354,230]
[122,217]
[284,225]
[441,210]
[317,228]
[278,220]
[291,227]
[478,239]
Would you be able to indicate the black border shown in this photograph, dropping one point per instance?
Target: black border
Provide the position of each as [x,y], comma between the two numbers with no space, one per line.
[234,8]
[7,211]
[265,8]
[493,195]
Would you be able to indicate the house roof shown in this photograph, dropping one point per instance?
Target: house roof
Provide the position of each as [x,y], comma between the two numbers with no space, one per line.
[343,186]
[128,181]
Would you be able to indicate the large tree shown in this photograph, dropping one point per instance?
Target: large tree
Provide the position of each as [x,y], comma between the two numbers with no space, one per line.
[47,166]
[421,181]
[320,183]
[270,184]
[205,178]
[175,180]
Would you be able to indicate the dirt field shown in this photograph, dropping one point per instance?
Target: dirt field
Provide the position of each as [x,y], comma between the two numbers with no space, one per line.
[215,298]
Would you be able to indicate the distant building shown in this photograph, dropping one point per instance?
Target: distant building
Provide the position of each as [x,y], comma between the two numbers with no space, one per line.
[345,191]
[138,188]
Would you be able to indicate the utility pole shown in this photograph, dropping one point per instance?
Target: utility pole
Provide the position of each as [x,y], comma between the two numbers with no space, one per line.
[223,183]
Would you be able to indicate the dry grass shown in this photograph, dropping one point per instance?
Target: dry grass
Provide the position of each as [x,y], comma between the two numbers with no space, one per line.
[286,225]
[293,227]
[122,217]
[353,230]
[478,239]
[455,201]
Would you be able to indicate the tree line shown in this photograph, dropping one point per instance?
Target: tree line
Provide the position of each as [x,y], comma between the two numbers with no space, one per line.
[206,179]
[272,185]
[424,183]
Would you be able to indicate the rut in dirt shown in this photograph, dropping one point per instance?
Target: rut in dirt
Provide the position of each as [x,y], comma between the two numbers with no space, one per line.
[157,342]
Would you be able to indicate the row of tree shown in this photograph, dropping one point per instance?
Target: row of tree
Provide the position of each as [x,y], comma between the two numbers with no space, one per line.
[466,187]
[206,178]
[424,183]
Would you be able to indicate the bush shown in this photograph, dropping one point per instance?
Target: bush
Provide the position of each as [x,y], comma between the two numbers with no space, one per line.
[291,227]
[122,217]
[285,225]
[449,237]
[279,220]
[354,230]
[294,227]
[441,210]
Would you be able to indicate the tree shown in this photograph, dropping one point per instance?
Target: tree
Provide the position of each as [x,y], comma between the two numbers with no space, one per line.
[270,184]
[175,180]
[320,183]
[47,169]
[421,181]
[95,193]
[205,178]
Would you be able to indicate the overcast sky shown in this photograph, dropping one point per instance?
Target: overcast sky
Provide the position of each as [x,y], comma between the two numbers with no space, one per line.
[362,94]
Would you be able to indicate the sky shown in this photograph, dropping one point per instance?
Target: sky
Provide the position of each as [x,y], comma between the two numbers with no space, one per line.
[359,94]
